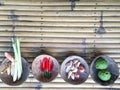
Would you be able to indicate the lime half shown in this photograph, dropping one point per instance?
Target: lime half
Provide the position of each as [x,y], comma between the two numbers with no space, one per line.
[101,64]
[104,75]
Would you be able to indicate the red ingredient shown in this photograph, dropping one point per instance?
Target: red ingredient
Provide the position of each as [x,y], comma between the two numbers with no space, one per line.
[81,68]
[46,64]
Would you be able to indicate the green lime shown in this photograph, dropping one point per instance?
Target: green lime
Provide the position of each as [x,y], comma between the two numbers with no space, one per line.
[101,64]
[104,75]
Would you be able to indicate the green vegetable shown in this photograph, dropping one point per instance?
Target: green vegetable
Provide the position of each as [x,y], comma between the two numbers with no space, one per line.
[19,58]
[104,75]
[101,64]
[17,70]
[15,61]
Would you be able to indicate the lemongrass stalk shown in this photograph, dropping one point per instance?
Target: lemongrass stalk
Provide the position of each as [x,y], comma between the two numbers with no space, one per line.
[19,58]
[15,62]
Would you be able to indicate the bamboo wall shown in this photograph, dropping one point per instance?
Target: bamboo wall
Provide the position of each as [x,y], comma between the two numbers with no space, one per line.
[51,25]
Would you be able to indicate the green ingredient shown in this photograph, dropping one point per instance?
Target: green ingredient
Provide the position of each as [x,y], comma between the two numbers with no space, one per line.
[17,70]
[101,64]
[104,75]
[19,58]
[47,74]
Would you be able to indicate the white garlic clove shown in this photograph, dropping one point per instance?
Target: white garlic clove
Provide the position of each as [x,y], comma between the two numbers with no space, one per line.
[75,61]
[72,68]
[69,74]
[78,64]
[73,76]
[75,70]
[67,69]
[71,63]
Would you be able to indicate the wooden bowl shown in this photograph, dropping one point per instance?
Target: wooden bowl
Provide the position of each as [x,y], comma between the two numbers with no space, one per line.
[112,68]
[82,76]
[8,79]
[42,75]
